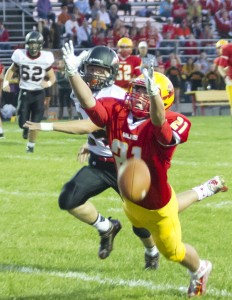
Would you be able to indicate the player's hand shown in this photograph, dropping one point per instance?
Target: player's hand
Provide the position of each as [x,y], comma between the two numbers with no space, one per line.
[32,126]
[6,86]
[152,88]
[83,154]
[72,62]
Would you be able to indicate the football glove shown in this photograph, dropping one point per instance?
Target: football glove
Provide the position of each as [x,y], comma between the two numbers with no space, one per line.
[152,88]
[72,62]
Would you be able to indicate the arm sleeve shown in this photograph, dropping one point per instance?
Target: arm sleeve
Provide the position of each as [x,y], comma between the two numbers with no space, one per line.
[98,114]
[163,134]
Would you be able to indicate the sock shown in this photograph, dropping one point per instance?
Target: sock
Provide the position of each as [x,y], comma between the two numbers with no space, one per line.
[1,130]
[203,191]
[102,224]
[151,251]
[30,144]
[200,271]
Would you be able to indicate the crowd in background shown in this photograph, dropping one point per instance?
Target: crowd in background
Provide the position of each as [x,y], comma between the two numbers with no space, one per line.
[93,22]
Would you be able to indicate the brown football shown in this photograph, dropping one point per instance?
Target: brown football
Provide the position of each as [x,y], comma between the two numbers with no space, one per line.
[134,179]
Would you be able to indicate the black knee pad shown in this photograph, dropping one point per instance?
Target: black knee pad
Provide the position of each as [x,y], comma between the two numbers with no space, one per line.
[66,199]
[141,232]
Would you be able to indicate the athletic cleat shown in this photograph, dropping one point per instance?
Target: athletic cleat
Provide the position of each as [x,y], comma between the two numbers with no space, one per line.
[197,285]
[107,238]
[2,136]
[217,184]
[151,262]
[29,149]
[25,133]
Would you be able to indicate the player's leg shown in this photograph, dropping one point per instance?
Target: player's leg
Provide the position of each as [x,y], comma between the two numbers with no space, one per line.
[37,111]
[87,183]
[198,193]
[23,111]
[47,101]
[1,129]
[229,94]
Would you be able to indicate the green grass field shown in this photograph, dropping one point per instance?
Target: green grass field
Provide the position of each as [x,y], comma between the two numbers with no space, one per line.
[46,254]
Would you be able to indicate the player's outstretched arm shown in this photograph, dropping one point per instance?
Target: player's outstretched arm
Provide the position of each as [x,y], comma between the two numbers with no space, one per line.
[80,88]
[72,127]
[157,111]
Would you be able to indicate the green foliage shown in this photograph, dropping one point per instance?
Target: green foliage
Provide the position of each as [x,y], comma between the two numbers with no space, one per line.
[47,254]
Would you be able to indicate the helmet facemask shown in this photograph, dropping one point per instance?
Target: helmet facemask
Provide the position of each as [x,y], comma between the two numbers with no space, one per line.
[97,77]
[33,49]
[137,100]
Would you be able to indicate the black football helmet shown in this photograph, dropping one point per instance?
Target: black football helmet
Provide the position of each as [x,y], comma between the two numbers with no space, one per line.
[34,43]
[100,56]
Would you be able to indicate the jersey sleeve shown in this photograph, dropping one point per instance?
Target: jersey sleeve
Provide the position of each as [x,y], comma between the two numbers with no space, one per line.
[138,63]
[16,56]
[98,114]
[180,126]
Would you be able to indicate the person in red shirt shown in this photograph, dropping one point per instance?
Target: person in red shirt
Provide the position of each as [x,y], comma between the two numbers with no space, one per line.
[141,127]
[225,69]
[129,65]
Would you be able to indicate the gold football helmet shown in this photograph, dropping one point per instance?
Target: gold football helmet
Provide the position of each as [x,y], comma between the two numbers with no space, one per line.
[133,95]
[221,43]
[125,47]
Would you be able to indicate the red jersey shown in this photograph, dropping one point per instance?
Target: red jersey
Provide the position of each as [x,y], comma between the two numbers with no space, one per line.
[142,140]
[226,59]
[129,68]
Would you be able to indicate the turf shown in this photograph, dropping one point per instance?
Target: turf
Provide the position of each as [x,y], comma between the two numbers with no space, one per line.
[46,254]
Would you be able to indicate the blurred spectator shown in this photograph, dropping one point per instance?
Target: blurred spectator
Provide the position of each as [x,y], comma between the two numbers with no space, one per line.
[194,11]
[70,5]
[179,11]
[4,37]
[79,16]
[95,9]
[169,27]
[83,6]
[212,80]
[104,15]
[44,28]
[99,24]
[203,61]
[113,14]
[183,31]
[172,56]
[155,38]
[110,39]
[223,22]
[71,29]
[166,44]
[84,35]
[56,34]
[63,16]
[174,74]
[147,58]
[44,9]
[125,6]
[196,78]
[165,9]
[64,91]
[197,29]
[144,12]
[192,46]
[99,39]
[188,68]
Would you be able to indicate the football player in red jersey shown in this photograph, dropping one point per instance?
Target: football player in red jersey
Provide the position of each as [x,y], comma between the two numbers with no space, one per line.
[34,66]
[142,128]
[129,65]
[225,69]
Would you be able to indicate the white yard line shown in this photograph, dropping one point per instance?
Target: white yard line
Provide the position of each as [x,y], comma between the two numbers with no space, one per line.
[106,280]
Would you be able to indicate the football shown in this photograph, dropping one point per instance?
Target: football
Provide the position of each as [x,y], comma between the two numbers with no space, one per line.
[134,179]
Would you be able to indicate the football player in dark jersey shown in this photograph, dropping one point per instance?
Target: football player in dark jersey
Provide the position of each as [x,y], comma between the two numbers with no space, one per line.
[34,66]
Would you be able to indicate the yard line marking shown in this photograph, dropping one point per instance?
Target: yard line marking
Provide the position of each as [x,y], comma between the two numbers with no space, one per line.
[217,205]
[112,281]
